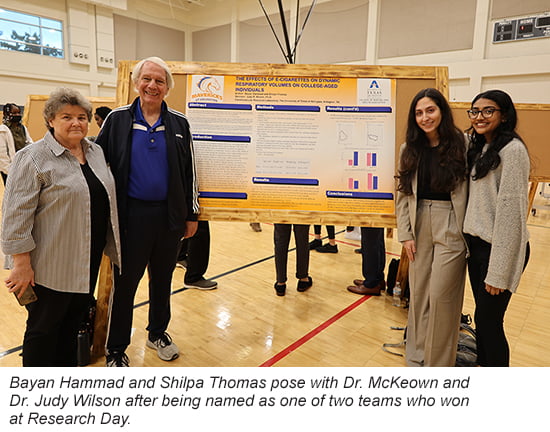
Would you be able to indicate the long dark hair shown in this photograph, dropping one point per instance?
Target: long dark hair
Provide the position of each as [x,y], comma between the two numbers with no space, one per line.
[504,133]
[451,169]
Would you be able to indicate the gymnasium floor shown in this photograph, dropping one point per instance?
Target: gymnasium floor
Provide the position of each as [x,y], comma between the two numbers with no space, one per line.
[243,322]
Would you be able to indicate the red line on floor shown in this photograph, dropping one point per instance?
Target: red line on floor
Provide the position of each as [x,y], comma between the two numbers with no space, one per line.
[313,333]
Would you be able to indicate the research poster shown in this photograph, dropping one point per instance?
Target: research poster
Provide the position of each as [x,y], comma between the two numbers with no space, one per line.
[294,142]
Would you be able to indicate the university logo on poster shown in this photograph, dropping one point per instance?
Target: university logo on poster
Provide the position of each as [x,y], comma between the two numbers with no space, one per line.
[207,88]
[374,91]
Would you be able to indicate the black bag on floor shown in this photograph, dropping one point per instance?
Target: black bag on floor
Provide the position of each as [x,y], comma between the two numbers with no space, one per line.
[86,335]
[466,353]
[392,275]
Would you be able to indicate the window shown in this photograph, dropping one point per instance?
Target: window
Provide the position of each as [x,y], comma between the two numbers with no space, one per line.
[31,34]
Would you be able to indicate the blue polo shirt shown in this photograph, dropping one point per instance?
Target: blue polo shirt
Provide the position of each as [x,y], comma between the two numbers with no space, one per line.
[149,172]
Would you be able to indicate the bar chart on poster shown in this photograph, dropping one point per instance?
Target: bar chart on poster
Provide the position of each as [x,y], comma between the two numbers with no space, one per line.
[294,142]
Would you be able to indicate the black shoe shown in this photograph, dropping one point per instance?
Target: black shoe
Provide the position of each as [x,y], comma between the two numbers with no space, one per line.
[182,263]
[314,244]
[327,248]
[280,289]
[202,284]
[304,285]
[117,359]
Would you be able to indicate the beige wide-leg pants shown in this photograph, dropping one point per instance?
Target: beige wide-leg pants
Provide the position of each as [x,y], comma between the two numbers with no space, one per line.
[436,280]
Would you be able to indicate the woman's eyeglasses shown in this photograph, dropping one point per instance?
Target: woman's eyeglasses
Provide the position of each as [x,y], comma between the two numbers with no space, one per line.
[485,112]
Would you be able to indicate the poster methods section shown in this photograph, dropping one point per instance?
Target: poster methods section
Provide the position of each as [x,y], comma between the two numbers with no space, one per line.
[294,143]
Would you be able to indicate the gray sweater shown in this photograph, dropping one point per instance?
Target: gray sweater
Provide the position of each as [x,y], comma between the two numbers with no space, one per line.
[497,213]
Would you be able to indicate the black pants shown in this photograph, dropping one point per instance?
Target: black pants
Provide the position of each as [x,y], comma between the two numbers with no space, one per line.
[146,243]
[281,237]
[373,253]
[331,233]
[492,345]
[52,327]
[196,251]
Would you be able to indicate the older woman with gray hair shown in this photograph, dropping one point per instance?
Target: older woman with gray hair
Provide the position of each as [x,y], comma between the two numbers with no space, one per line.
[59,215]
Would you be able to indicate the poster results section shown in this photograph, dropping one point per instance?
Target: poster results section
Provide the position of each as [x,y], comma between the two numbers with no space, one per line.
[294,143]
[273,399]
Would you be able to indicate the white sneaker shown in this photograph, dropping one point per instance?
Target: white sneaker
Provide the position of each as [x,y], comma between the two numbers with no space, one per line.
[166,349]
[353,235]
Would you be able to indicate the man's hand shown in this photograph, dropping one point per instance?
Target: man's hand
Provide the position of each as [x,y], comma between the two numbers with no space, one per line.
[190,229]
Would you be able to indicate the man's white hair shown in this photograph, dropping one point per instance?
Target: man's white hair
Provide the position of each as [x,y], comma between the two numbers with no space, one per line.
[136,72]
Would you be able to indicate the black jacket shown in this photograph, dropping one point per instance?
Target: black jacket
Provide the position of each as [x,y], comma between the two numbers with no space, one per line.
[115,137]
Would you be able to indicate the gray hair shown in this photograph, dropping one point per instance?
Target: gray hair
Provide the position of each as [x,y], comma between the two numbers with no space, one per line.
[62,96]
[136,72]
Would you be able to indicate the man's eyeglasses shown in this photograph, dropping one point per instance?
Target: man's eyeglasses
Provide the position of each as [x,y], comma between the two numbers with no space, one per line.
[485,112]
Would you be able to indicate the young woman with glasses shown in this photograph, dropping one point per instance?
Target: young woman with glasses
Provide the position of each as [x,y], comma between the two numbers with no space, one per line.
[431,201]
[495,224]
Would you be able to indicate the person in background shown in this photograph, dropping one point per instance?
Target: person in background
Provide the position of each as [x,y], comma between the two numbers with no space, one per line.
[59,215]
[430,205]
[317,243]
[150,152]
[495,224]
[13,137]
[256,226]
[101,114]
[373,262]
[281,237]
[194,255]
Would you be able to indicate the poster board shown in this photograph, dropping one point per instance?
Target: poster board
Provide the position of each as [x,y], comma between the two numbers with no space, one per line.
[33,119]
[533,121]
[408,81]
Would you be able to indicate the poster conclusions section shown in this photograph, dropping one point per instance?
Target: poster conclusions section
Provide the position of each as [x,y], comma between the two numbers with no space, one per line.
[294,143]
[271,399]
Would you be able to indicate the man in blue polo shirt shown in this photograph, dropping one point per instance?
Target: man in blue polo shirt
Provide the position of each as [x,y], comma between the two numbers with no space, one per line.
[149,149]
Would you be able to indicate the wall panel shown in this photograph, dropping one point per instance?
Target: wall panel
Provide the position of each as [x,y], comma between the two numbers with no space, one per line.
[345,41]
[425,26]
[135,39]
[213,44]
[511,8]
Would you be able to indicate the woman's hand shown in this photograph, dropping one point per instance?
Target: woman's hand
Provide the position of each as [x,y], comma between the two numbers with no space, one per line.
[493,290]
[21,275]
[410,248]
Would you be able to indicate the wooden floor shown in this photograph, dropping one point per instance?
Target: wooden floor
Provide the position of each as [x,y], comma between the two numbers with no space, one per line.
[243,322]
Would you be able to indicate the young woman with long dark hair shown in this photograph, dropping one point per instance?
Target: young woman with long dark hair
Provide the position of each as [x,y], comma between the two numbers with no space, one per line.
[431,201]
[495,225]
